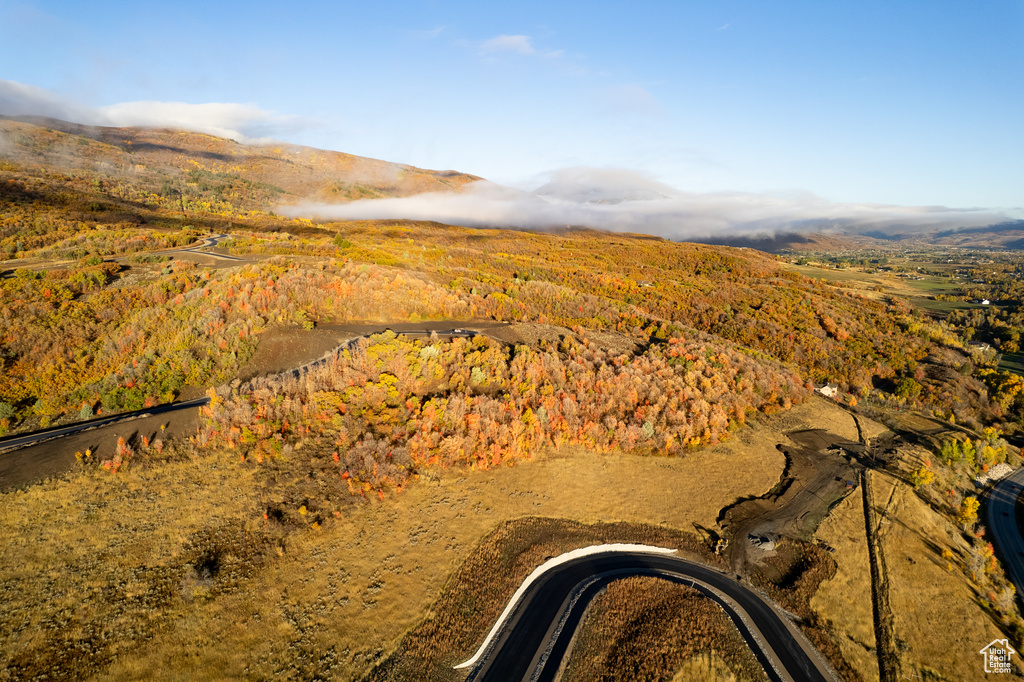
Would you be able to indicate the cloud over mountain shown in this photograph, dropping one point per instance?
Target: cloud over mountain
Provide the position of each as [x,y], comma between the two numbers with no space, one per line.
[625,201]
[242,122]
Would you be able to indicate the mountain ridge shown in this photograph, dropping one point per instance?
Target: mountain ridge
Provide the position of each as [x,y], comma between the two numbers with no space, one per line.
[299,172]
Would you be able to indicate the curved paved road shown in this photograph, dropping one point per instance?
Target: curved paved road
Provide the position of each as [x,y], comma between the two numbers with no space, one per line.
[1002,523]
[533,643]
[207,242]
[26,439]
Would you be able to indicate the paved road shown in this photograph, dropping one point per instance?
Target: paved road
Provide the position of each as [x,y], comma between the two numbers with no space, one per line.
[26,439]
[532,645]
[1002,523]
[14,442]
[207,243]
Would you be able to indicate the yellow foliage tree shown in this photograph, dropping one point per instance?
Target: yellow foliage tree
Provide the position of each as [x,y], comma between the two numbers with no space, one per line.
[922,477]
[968,511]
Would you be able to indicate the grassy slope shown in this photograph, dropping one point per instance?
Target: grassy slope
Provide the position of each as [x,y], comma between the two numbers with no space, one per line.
[941,615]
[274,172]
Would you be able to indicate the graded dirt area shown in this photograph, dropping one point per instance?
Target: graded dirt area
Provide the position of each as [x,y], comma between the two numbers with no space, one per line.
[284,348]
[180,557]
[820,471]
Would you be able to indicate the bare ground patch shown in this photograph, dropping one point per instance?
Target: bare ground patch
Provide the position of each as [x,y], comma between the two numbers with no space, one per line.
[283,348]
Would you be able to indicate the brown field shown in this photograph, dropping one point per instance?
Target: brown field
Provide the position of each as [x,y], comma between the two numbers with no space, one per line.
[940,624]
[704,667]
[938,618]
[651,629]
[178,556]
[845,599]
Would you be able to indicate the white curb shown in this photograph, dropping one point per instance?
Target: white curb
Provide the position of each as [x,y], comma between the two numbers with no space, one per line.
[541,570]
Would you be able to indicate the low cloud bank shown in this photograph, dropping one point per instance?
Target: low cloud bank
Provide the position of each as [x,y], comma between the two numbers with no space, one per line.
[245,123]
[623,201]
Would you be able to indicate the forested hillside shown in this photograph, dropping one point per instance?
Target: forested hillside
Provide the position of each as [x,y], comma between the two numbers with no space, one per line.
[94,333]
[640,372]
[391,407]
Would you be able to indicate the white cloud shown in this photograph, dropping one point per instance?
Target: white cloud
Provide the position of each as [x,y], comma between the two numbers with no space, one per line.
[624,201]
[242,122]
[19,99]
[632,99]
[517,43]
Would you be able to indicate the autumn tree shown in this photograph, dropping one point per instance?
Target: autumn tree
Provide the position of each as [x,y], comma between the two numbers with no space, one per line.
[968,513]
[922,477]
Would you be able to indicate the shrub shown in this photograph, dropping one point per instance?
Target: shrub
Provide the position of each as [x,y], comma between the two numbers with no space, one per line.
[907,388]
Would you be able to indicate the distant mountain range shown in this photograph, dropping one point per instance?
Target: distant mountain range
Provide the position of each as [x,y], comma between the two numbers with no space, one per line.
[1006,235]
[206,174]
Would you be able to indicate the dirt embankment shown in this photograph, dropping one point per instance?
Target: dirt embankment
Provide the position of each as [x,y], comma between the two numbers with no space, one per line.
[818,475]
[28,465]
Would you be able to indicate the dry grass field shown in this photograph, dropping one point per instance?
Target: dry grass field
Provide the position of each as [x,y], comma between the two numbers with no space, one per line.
[704,667]
[651,629]
[940,623]
[845,599]
[170,570]
[939,619]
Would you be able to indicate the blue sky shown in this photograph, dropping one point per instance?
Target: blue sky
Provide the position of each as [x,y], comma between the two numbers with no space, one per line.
[908,103]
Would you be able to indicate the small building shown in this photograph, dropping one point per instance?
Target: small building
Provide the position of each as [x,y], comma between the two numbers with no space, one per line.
[828,390]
